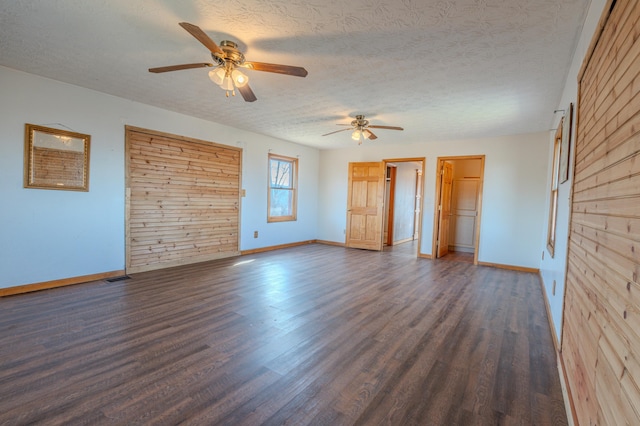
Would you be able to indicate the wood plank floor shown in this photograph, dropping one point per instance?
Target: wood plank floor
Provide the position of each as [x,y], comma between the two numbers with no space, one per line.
[316,334]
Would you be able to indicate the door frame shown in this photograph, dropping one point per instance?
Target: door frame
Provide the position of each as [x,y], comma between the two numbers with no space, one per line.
[436,215]
[388,208]
[424,164]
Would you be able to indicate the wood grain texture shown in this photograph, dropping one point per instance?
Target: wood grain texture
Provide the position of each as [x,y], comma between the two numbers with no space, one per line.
[365,201]
[183,200]
[600,335]
[314,334]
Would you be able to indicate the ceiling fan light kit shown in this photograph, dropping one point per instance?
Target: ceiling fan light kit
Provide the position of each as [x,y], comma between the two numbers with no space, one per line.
[239,79]
[217,75]
[227,59]
[360,135]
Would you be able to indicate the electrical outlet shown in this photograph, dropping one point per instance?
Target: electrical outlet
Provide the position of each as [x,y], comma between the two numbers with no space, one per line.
[553,290]
[344,231]
[244,193]
[542,254]
[255,234]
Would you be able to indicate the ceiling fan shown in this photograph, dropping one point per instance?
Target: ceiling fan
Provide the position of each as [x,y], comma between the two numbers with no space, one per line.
[227,59]
[361,131]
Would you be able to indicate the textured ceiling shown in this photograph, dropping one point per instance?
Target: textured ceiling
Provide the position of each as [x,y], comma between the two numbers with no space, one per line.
[442,69]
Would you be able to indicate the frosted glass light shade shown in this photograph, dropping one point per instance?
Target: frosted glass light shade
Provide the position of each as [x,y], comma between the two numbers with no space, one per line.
[227,83]
[217,75]
[239,78]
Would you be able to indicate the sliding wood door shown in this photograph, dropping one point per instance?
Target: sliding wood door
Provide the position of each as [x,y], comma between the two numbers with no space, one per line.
[182,200]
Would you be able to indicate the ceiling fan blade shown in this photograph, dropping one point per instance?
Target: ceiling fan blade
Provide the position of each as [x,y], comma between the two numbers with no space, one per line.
[386,127]
[202,37]
[247,93]
[337,131]
[180,67]
[369,134]
[279,69]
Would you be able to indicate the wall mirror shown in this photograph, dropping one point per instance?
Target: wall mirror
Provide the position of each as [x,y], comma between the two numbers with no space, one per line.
[56,159]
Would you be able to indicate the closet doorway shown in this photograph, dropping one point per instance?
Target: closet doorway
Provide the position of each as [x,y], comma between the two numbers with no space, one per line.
[458,207]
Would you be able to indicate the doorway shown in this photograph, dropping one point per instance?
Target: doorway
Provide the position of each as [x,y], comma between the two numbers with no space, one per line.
[403,202]
[370,208]
[458,208]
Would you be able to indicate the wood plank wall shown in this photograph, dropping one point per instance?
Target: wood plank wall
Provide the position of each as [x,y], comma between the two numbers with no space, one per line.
[601,327]
[183,200]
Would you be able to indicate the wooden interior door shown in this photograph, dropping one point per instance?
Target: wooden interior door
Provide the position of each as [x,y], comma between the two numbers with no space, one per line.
[365,202]
[444,208]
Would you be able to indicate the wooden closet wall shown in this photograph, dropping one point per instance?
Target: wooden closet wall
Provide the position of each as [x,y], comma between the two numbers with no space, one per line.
[601,327]
[182,200]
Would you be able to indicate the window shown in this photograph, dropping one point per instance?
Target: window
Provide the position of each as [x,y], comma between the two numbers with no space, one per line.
[282,194]
[553,204]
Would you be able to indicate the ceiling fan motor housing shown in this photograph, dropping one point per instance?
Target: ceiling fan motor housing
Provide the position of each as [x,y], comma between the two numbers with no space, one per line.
[360,123]
[231,54]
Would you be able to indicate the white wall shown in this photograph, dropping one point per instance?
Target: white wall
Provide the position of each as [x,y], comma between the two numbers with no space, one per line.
[514,193]
[404,201]
[554,268]
[47,235]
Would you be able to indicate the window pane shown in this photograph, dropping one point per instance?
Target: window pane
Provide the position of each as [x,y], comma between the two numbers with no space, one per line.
[282,187]
[554,215]
[281,202]
[281,176]
[553,205]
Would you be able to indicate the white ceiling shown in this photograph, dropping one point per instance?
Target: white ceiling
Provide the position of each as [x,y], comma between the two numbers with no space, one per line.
[442,69]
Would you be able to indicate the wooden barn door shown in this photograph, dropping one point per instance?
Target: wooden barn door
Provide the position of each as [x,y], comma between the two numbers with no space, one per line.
[601,325]
[182,200]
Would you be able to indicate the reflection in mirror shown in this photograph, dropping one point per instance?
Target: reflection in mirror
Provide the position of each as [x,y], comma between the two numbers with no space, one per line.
[56,159]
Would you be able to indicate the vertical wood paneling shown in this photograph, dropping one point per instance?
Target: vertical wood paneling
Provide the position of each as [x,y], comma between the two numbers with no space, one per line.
[182,200]
[601,327]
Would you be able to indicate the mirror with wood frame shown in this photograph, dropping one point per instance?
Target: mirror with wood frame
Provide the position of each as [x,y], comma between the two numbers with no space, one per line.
[55,159]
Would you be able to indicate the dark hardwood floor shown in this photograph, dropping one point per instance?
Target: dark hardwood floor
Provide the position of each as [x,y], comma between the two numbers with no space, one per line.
[314,334]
